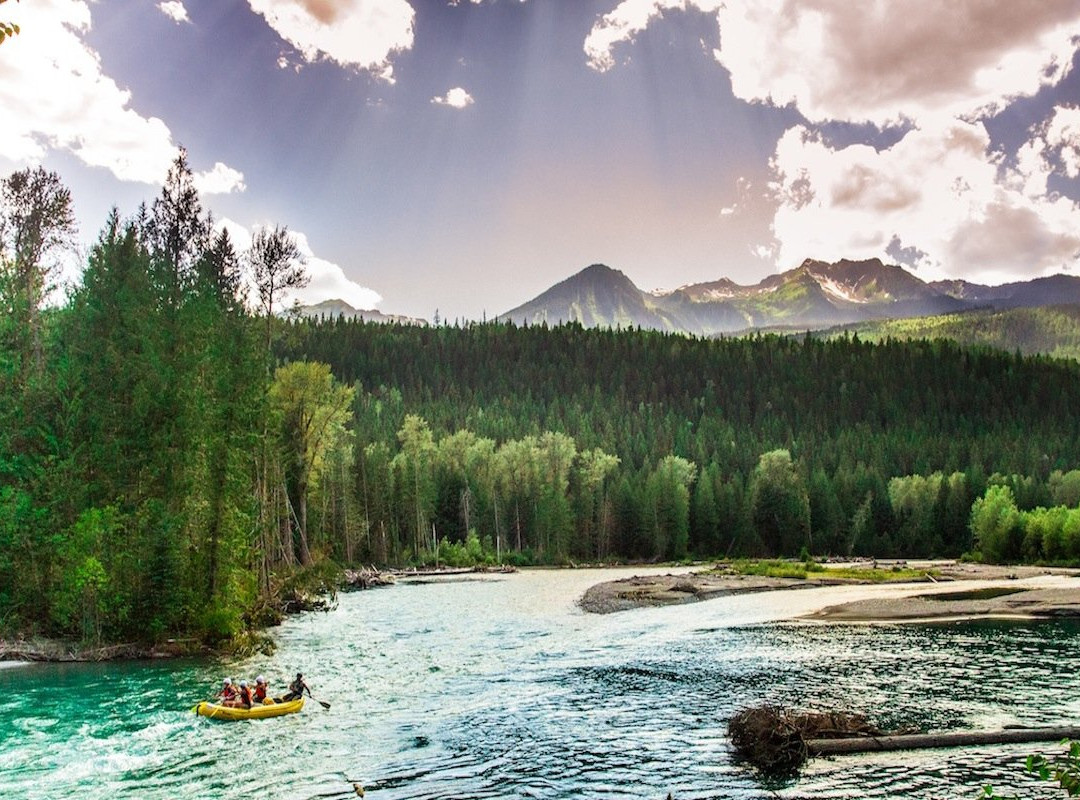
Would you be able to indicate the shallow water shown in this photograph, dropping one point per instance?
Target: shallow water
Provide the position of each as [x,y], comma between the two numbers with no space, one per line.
[501,687]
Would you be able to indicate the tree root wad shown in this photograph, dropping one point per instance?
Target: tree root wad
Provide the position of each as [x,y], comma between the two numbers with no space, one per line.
[774,739]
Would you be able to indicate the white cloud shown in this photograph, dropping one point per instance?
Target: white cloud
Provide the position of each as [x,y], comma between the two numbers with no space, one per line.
[1054,146]
[1063,135]
[938,189]
[625,22]
[937,69]
[328,280]
[886,63]
[359,33]
[455,98]
[222,179]
[55,96]
[174,10]
[893,61]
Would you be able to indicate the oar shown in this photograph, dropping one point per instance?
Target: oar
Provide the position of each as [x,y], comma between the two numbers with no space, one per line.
[320,702]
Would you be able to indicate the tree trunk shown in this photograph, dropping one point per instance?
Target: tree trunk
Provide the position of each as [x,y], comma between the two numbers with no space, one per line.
[305,553]
[868,744]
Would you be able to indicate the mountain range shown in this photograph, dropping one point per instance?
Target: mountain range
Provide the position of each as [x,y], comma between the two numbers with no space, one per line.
[332,309]
[814,295]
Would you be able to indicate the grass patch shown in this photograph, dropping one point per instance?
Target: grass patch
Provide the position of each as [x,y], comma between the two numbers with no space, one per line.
[811,570]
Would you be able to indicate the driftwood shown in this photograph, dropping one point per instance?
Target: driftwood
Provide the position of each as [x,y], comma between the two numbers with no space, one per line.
[918,741]
[774,739]
[439,572]
[778,741]
[366,578]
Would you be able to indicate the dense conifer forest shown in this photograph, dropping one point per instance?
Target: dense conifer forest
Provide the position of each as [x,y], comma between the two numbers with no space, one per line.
[753,446]
[173,453]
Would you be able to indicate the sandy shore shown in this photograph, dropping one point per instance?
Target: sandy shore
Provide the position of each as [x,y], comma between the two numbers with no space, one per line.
[955,591]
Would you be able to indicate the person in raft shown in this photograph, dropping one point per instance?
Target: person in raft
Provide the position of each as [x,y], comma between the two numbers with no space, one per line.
[244,698]
[228,693]
[260,691]
[297,689]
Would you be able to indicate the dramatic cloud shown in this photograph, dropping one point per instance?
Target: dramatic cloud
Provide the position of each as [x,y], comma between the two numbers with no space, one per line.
[359,33]
[221,179]
[174,10]
[942,196]
[894,61]
[328,281]
[938,191]
[887,63]
[54,96]
[455,98]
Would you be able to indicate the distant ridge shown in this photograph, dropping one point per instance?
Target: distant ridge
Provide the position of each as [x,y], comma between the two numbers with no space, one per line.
[814,295]
[332,309]
[1050,330]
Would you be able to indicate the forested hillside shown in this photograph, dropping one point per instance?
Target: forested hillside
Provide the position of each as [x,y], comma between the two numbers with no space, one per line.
[1050,330]
[173,455]
[751,446]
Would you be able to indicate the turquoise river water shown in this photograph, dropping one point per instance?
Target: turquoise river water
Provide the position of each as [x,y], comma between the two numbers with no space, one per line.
[501,687]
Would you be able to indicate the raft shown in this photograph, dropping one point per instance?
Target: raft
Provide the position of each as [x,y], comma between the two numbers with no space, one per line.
[214,711]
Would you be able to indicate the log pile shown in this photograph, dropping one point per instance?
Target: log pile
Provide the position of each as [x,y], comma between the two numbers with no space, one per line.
[366,578]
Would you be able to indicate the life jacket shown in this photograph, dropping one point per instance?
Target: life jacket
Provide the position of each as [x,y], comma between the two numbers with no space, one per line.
[229,692]
[260,691]
[245,695]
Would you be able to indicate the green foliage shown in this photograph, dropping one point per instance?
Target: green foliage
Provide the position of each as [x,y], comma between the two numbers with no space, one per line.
[995,524]
[1049,330]
[157,477]
[7,28]
[470,553]
[779,504]
[1062,769]
[808,569]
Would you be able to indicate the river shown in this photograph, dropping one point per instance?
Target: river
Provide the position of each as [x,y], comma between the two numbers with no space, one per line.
[499,686]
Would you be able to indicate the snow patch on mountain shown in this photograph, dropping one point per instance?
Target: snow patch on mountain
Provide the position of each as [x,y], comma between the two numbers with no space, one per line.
[838,290]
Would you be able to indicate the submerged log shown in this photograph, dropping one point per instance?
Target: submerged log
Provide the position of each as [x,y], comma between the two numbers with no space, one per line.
[918,741]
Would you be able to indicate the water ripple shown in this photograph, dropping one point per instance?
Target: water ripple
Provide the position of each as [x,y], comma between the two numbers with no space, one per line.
[505,689]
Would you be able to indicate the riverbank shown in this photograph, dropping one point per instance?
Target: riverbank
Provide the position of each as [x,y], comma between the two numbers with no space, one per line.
[55,650]
[947,590]
[1039,597]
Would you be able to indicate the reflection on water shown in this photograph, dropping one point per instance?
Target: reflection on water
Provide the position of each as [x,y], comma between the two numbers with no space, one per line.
[501,687]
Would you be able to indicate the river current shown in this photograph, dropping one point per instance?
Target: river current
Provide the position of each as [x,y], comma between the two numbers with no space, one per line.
[499,686]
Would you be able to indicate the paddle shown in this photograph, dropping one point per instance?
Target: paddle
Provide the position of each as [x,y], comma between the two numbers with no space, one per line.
[320,702]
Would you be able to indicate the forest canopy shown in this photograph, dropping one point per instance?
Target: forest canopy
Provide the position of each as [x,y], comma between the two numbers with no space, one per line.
[173,449]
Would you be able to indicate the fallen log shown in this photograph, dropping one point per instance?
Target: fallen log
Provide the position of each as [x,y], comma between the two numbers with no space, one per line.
[919,741]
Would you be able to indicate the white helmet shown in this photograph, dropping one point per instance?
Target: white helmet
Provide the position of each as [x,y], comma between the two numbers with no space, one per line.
[243,684]
[227,682]
[260,679]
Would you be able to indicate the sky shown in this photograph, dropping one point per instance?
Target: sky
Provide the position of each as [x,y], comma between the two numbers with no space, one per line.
[461,156]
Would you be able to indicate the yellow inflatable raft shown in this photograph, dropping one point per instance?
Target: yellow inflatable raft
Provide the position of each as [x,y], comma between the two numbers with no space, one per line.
[214,711]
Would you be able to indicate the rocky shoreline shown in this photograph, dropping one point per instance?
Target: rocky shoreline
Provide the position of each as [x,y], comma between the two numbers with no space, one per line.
[950,591]
[53,650]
